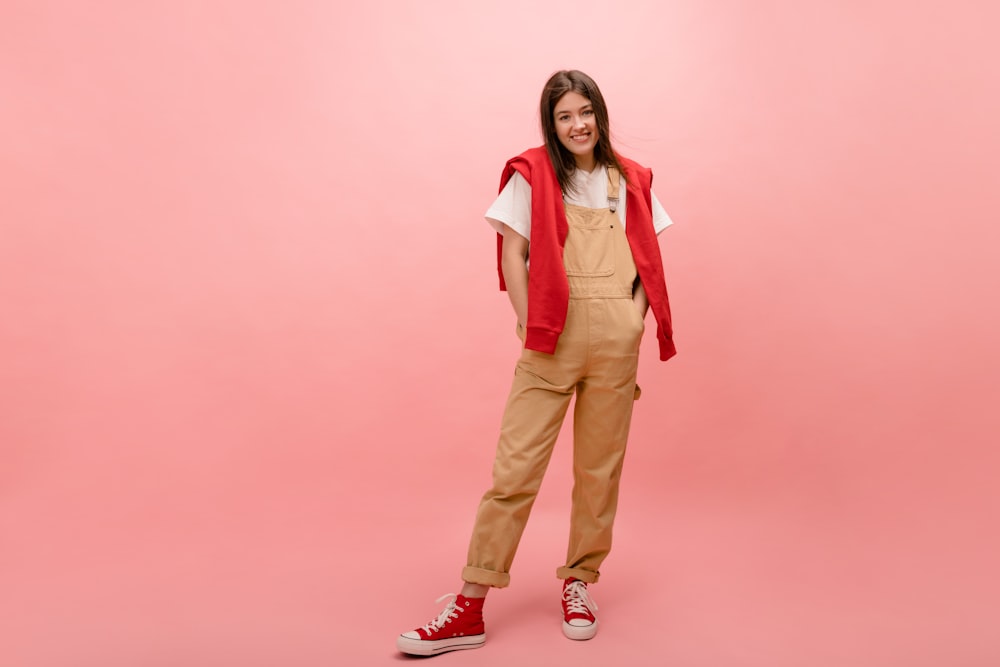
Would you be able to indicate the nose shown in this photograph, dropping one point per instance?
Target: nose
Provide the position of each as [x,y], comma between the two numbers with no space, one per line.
[578,123]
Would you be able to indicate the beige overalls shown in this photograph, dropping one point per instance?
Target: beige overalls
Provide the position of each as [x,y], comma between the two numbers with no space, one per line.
[596,357]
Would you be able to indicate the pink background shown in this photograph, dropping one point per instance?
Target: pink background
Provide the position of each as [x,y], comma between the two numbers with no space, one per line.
[253,358]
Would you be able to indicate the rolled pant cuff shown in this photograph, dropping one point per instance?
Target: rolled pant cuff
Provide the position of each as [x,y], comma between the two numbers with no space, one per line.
[477,575]
[586,576]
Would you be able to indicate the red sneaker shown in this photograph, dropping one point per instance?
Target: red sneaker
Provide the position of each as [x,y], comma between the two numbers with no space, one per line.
[579,621]
[459,626]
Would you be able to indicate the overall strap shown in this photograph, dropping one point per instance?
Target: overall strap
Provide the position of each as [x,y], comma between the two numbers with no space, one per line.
[614,178]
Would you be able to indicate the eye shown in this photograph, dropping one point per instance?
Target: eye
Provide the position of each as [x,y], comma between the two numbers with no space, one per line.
[588,112]
[564,117]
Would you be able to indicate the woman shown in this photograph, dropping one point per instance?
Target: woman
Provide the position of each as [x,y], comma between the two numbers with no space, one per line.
[581,318]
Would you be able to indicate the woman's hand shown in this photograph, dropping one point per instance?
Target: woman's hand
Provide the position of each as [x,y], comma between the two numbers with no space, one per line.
[639,298]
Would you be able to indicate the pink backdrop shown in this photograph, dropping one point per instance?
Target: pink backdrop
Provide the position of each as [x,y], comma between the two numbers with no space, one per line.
[252,354]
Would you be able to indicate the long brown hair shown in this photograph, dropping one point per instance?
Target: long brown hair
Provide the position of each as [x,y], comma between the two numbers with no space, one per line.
[563,161]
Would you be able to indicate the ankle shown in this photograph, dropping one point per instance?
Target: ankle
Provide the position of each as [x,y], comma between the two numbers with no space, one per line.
[474,591]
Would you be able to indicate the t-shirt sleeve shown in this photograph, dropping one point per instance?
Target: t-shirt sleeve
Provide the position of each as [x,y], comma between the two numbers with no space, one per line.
[660,218]
[512,207]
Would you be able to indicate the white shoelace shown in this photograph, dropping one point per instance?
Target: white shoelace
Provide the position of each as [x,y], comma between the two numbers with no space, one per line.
[578,600]
[447,614]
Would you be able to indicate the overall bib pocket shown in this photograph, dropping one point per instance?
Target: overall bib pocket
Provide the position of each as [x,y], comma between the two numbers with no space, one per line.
[590,248]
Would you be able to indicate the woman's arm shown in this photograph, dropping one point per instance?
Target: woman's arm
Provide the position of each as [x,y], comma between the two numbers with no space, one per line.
[639,297]
[514,263]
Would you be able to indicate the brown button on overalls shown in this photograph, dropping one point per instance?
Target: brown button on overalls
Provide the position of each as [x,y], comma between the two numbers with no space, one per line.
[596,357]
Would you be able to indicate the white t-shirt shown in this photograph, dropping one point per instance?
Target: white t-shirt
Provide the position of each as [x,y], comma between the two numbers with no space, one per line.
[513,206]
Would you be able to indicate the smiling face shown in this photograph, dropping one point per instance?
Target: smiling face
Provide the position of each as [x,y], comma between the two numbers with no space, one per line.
[574,123]
[576,128]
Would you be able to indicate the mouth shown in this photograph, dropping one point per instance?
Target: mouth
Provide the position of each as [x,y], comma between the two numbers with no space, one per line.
[580,138]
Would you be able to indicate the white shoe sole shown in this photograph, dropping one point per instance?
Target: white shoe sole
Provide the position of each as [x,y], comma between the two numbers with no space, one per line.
[425,647]
[580,632]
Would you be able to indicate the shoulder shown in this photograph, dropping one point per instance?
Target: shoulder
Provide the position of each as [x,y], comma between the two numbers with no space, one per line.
[636,173]
[534,154]
[530,163]
[532,159]
[632,166]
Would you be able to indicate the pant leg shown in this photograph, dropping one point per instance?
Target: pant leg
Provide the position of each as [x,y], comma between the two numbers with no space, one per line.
[602,417]
[539,397]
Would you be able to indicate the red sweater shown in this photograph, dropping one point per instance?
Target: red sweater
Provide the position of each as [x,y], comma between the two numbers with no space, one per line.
[548,288]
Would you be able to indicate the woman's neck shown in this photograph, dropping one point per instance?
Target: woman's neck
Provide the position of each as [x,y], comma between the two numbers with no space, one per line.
[586,163]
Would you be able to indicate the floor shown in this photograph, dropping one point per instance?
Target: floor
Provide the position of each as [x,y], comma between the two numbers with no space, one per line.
[163,569]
